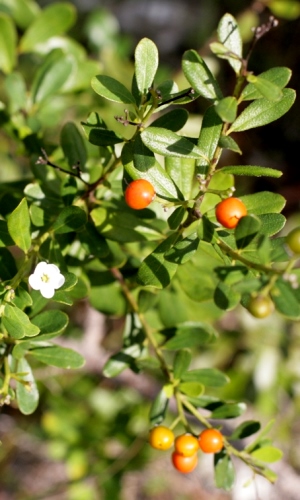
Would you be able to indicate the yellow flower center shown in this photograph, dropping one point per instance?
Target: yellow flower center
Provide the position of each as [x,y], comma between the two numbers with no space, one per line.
[45,278]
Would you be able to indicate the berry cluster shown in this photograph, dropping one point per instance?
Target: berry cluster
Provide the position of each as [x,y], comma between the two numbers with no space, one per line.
[186,446]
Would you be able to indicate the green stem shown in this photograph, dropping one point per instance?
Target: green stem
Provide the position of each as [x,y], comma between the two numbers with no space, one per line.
[194,412]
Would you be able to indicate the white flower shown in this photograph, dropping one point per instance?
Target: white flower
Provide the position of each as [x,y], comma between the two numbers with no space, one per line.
[46,278]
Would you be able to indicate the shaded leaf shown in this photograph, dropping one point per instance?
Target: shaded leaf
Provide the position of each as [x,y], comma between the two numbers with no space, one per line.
[18,224]
[73,145]
[27,395]
[8,42]
[61,357]
[224,471]
[252,170]
[167,143]
[70,219]
[207,376]
[111,89]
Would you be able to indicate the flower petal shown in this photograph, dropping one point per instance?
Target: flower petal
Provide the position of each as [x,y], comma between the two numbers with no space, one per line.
[34,281]
[47,290]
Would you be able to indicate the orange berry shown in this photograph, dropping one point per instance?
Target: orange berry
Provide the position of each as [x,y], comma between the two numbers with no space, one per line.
[161,438]
[230,211]
[139,194]
[186,444]
[184,464]
[211,441]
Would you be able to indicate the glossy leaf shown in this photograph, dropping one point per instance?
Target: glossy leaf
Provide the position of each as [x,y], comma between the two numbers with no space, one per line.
[183,250]
[155,270]
[225,297]
[146,63]
[18,224]
[70,219]
[267,454]
[199,75]
[279,76]
[167,143]
[158,408]
[224,471]
[8,42]
[61,357]
[50,323]
[27,395]
[210,134]
[228,410]
[122,226]
[182,172]
[210,377]
[266,88]
[226,109]
[122,360]
[226,142]
[5,238]
[51,75]
[112,89]
[141,168]
[181,362]
[229,35]
[189,334]
[17,323]
[245,429]
[262,111]
[246,230]
[252,171]
[263,202]
[52,21]
[173,120]
[285,299]
[73,145]
[97,132]
[176,218]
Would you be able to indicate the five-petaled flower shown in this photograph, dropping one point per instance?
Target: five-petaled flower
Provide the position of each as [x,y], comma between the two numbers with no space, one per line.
[46,278]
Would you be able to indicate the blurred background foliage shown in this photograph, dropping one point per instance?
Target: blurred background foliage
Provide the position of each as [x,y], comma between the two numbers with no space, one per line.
[87,440]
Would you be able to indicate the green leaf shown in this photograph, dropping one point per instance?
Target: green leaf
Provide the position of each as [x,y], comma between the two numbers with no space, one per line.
[18,224]
[123,226]
[225,297]
[138,164]
[228,410]
[199,76]
[279,76]
[93,242]
[61,357]
[266,88]
[287,9]
[267,454]
[227,142]
[192,389]
[181,362]
[183,250]
[173,120]
[155,270]
[52,21]
[210,133]
[51,75]
[252,446]
[262,112]
[158,408]
[252,170]
[70,219]
[226,109]
[17,323]
[229,35]
[5,238]
[22,298]
[97,133]
[263,202]
[245,429]
[146,63]
[122,360]
[8,43]
[27,395]
[50,323]
[271,223]
[167,143]
[246,230]
[22,11]
[224,471]
[206,376]
[112,89]
[182,173]
[285,299]
[176,218]
[15,88]
[189,334]
[73,145]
